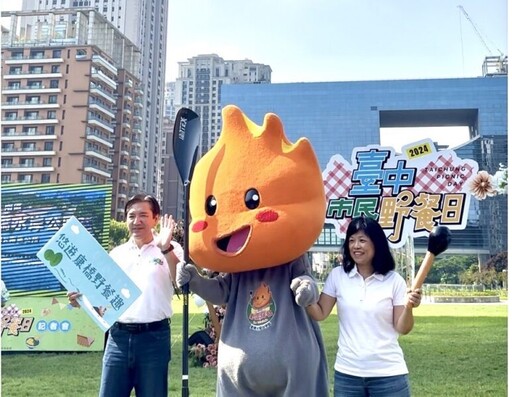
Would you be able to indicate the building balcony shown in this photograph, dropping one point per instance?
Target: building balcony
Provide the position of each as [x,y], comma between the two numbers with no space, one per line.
[29,105]
[99,60]
[31,75]
[28,121]
[98,75]
[27,168]
[98,90]
[127,111]
[96,136]
[32,60]
[97,154]
[123,166]
[102,108]
[27,152]
[100,123]
[125,136]
[32,89]
[95,170]
[27,136]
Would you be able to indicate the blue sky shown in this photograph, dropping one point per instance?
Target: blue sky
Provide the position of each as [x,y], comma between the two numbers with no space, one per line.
[340,40]
[345,40]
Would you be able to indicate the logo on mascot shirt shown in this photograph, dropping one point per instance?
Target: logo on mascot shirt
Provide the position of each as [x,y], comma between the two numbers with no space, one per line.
[261,307]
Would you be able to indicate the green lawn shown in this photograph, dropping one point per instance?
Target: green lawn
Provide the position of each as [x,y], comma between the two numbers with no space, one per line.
[454,350]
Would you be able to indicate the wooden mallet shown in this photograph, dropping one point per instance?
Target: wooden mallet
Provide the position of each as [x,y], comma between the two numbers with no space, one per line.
[438,241]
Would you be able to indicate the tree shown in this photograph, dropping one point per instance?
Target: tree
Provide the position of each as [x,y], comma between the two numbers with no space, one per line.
[119,234]
[447,270]
[499,262]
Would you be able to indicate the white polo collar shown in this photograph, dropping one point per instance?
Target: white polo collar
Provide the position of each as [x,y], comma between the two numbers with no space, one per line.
[354,272]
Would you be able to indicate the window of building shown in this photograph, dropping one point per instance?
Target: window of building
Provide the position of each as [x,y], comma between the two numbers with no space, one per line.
[37,54]
[11,115]
[36,69]
[47,161]
[27,162]
[15,70]
[45,178]
[25,178]
[50,130]
[48,146]
[6,162]
[30,130]
[54,83]
[35,84]
[55,68]
[6,178]
[12,99]
[33,98]
[9,130]
[31,115]
[57,53]
[14,84]
[16,54]
[52,114]
[8,147]
[28,146]
[52,99]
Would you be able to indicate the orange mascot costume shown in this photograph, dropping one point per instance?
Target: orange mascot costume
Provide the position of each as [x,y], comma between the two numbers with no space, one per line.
[257,204]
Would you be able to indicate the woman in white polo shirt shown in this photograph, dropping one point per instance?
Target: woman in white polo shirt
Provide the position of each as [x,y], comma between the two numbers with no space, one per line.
[371,301]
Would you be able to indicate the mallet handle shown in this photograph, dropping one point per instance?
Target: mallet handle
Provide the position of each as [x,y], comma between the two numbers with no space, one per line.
[420,277]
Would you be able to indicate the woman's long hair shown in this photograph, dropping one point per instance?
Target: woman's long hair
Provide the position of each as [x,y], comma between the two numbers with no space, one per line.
[383,260]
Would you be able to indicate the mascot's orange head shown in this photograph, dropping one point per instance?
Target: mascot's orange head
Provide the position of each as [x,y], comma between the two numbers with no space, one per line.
[256,200]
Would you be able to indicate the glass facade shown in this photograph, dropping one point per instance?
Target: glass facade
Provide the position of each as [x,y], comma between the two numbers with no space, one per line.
[339,116]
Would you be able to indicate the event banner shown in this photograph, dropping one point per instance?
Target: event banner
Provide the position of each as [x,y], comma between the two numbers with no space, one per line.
[409,193]
[48,323]
[80,264]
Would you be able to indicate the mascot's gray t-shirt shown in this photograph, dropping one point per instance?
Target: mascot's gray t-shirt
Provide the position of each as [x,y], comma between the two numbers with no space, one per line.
[268,344]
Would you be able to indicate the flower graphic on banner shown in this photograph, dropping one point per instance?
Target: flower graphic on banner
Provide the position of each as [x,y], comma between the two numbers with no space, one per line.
[484,185]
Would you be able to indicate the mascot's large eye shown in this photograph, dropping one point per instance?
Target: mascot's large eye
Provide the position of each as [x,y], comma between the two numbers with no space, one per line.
[252,199]
[211,205]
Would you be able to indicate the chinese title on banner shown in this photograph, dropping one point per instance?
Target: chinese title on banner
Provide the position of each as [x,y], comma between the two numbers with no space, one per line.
[80,263]
[409,194]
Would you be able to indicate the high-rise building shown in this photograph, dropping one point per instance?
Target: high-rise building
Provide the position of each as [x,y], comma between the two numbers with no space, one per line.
[144,22]
[199,86]
[71,102]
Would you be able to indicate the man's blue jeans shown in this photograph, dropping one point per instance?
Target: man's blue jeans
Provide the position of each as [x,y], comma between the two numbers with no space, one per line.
[385,386]
[136,360]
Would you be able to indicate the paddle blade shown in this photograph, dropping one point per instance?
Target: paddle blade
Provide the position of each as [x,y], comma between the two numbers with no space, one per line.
[187,130]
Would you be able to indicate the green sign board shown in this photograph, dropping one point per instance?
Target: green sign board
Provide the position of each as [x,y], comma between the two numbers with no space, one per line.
[48,324]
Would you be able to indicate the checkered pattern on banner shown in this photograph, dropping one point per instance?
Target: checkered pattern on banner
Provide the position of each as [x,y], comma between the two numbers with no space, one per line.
[337,183]
[442,175]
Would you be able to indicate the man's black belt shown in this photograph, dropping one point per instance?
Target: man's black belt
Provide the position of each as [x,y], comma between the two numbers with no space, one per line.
[143,327]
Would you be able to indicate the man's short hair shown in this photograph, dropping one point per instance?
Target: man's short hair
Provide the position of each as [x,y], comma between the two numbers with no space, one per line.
[140,198]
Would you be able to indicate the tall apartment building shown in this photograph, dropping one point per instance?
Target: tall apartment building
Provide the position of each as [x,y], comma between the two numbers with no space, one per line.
[199,85]
[144,22]
[71,102]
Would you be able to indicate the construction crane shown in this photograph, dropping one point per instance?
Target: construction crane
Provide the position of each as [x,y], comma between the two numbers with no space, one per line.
[475,28]
[493,65]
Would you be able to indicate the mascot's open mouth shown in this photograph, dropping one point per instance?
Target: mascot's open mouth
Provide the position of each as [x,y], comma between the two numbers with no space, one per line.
[234,242]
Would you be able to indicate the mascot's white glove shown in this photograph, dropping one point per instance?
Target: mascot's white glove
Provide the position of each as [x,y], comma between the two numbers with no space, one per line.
[185,273]
[305,290]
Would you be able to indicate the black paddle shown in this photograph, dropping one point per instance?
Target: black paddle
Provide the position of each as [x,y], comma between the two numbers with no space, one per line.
[186,134]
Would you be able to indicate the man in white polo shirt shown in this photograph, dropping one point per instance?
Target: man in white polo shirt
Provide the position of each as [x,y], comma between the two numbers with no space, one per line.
[138,350]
